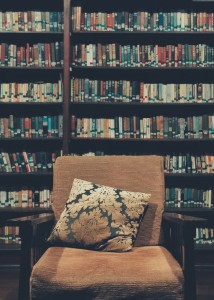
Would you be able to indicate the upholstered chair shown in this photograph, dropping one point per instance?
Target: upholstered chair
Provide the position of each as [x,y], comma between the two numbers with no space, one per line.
[160,265]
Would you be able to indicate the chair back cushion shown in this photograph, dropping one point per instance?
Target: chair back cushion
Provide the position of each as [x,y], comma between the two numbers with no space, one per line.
[133,173]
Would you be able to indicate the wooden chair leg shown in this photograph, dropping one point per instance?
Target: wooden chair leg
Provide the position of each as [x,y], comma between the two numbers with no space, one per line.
[189,267]
[26,234]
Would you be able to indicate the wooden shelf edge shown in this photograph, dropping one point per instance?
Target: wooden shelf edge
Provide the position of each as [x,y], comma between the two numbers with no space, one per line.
[103,68]
[189,209]
[26,209]
[205,246]
[9,246]
[189,175]
[141,140]
[32,32]
[150,104]
[2,68]
[30,103]
[26,174]
[138,32]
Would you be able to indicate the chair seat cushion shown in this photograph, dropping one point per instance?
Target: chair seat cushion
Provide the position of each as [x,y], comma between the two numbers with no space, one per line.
[148,272]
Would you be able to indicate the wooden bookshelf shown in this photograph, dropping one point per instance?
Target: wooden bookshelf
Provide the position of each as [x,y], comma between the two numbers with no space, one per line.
[44,79]
[95,109]
[151,75]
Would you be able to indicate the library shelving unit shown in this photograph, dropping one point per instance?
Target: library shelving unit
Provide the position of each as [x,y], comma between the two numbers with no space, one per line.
[141,82]
[141,71]
[31,106]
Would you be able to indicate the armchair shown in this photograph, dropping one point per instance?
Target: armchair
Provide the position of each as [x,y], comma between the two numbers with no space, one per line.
[161,263]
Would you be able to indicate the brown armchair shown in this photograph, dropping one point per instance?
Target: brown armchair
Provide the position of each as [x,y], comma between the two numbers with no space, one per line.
[160,265]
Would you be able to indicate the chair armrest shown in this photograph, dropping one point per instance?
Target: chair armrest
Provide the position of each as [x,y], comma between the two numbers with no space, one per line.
[179,233]
[181,219]
[29,220]
[33,231]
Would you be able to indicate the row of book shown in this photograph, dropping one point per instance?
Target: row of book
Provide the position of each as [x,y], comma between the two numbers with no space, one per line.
[10,235]
[204,236]
[27,162]
[115,55]
[45,21]
[25,198]
[31,127]
[90,90]
[34,55]
[157,127]
[188,197]
[189,163]
[31,91]
[141,21]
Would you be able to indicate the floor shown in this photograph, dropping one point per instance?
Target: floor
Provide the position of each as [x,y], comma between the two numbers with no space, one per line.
[205,283]
[9,283]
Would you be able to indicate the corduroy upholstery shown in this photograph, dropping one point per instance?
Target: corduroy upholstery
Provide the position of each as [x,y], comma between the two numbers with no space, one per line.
[132,173]
[148,271]
[144,273]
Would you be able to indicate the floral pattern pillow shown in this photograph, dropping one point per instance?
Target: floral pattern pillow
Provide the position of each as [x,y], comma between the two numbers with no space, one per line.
[100,218]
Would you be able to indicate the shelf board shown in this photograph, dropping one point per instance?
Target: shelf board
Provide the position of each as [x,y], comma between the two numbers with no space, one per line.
[30,69]
[189,180]
[25,209]
[25,174]
[39,139]
[144,104]
[30,103]
[140,140]
[206,246]
[189,209]
[55,33]
[106,68]
[9,246]
[189,175]
[138,32]
[203,1]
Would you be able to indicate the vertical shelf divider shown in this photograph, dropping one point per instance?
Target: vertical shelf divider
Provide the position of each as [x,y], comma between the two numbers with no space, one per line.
[66,78]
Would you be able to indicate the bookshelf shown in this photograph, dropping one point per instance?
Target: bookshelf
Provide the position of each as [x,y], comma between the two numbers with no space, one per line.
[141,82]
[116,79]
[31,107]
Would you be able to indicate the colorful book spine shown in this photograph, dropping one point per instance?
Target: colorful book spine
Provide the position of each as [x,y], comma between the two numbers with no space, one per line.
[31,55]
[156,127]
[177,197]
[90,90]
[39,21]
[175,21]
[155,56]
[31,127]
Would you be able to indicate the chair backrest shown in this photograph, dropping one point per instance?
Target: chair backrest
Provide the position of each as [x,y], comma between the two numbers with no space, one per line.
[133,173]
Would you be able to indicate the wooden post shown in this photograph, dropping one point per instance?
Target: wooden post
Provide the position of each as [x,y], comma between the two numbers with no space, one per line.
[66,78]
[26,234]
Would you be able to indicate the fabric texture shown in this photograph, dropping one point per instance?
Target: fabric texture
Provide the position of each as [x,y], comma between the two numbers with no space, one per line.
[99,217]
[149,272]
[132,173]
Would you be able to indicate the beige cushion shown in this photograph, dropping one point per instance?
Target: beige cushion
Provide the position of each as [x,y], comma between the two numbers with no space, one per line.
[99,217]
[143,273]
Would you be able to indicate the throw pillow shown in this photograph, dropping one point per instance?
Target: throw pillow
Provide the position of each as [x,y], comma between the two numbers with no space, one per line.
[99,217]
